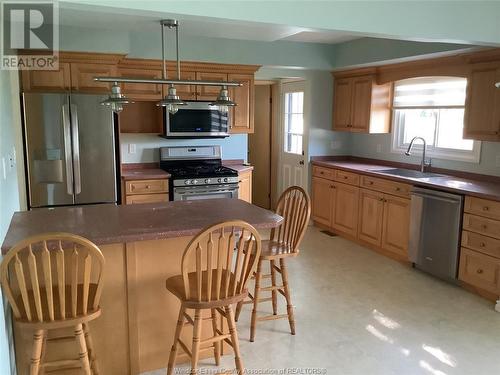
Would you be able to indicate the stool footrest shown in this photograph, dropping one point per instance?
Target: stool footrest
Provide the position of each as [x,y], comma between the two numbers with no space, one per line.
[219,332]
[272,317]
[213,339]
[74,363]
[185,348]
[271,288]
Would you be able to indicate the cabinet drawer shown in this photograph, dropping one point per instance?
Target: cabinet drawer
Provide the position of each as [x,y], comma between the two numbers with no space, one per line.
[483,244]
[327,173]
[480,270]
[482,225]
[482,207]
[347,177]
[146,198]
[146,186]
[386,186]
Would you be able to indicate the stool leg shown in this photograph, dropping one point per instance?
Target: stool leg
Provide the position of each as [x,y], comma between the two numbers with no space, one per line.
[195,351]
[36,354]
[255,301]
[289,306]
[234,339]
[83,353]
[216,344]
[274,292]
[173,351]
[90,346]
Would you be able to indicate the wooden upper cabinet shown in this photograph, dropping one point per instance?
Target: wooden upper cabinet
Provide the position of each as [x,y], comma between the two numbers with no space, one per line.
[186,92]
[360,105]
[82,77]
[209,92]
[242,115]
[396,225]
[47,80]
[482,107]
[342,100]
[141,91]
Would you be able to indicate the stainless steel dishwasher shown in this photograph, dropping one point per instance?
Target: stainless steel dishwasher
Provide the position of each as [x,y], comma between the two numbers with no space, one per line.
[435,226]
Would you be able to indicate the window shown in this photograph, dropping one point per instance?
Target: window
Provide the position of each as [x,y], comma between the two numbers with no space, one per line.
[433,108]
[294,122]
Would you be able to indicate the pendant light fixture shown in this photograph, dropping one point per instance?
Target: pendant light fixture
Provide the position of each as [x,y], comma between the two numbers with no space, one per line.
[116,99]
[172,101]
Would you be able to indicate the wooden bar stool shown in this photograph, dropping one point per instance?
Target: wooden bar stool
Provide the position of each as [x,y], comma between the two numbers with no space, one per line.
[294,206]
[215,269]
[54,281]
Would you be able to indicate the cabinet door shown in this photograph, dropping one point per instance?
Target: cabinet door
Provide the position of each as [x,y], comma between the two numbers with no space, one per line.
[345,209]
[322,200]
[245,187]
[480,270]
[396,225]
[241,116]
[342,101]
[47,80]
[82,77]
[209,92]
[371,213]
[146,198]
[141,91]
[361,104]
[482,107]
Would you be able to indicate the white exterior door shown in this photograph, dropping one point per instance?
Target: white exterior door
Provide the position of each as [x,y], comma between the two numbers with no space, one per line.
[293,154]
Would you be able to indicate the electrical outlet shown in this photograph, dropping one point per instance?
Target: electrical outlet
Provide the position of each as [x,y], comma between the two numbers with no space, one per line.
[379,148]
[497,161]
[131,148]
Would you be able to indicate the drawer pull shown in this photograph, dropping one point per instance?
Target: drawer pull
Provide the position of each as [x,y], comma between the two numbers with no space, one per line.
[148,186]
[398,189]
[482,244]
[370,182]
[484,226]
[345,177]
[486,208]
[479,271]
[321,172]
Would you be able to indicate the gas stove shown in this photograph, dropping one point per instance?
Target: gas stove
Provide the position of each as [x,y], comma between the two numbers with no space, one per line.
[197,173]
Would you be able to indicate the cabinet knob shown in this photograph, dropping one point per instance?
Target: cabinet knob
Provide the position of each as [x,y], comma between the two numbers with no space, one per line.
[484,226]
[345,177]
[370,182]
[148,186]
[479,271]
[321,172]
[398,189]
[486,208]
[482,244]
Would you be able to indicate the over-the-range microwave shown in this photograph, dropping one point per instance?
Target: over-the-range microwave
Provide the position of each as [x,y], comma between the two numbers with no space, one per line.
[196,120]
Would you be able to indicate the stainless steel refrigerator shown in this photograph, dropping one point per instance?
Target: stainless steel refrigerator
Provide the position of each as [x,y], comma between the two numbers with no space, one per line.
[70,150]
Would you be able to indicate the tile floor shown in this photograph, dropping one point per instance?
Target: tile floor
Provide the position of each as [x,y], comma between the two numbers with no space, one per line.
[358,312]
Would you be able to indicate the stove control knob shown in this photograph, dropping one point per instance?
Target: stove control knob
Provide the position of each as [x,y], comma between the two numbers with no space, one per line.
[186,182]
[207,180]
[194,182]
[219,180]
[225,179]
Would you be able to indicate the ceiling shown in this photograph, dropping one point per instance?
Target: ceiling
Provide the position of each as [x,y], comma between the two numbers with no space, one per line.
[199,26]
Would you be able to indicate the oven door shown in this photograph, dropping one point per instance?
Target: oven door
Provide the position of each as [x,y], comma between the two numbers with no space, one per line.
[197,119]
[184,193]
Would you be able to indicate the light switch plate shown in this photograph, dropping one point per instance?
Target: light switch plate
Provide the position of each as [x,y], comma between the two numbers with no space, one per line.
[379,148]
[131,148]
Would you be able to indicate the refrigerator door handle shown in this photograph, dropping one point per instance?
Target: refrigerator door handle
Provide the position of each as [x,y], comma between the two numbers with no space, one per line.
[76,149]
[67,148]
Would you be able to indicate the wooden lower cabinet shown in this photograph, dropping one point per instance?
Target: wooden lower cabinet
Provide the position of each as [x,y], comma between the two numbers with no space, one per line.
[371,212]
[145,191]
[146,198]
[345,208]
[396,225]
[335,205]
[480,270]
[245,186]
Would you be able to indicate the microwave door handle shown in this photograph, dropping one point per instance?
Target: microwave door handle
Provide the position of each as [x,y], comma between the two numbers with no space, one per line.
[76,149]
[68,159]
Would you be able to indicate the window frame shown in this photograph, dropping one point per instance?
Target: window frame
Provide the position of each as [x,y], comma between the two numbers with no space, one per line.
[398,145]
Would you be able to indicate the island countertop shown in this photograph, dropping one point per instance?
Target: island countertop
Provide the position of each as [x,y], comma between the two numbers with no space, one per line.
[107,224]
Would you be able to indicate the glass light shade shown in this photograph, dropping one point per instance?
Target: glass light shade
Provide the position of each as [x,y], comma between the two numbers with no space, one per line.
[116,99]
[172,101]
[223,101]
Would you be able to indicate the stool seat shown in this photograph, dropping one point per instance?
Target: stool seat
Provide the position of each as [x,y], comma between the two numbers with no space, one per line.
[275,250]
[175,285]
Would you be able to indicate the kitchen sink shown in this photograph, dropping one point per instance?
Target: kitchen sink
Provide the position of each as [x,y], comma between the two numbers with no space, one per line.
[408,173]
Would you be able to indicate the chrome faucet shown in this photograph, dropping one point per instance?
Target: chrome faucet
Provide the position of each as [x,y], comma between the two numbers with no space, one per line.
[423,164]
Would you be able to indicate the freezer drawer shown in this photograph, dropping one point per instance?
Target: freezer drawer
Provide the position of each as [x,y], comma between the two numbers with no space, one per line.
[435,226]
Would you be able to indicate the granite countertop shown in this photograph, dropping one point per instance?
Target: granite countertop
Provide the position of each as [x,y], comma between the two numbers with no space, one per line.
[107,223]
[481,189]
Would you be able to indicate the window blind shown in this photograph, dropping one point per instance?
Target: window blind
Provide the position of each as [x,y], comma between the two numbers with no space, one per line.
[430,92]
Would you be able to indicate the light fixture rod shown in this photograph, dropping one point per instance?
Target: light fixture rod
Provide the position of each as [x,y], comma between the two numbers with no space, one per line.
[167,81]
[163,51]
[177,51]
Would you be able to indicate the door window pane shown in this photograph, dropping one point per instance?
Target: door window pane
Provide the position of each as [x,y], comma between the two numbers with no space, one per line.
[294,122]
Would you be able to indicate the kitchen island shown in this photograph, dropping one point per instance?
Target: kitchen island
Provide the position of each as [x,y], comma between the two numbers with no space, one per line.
[142,246]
